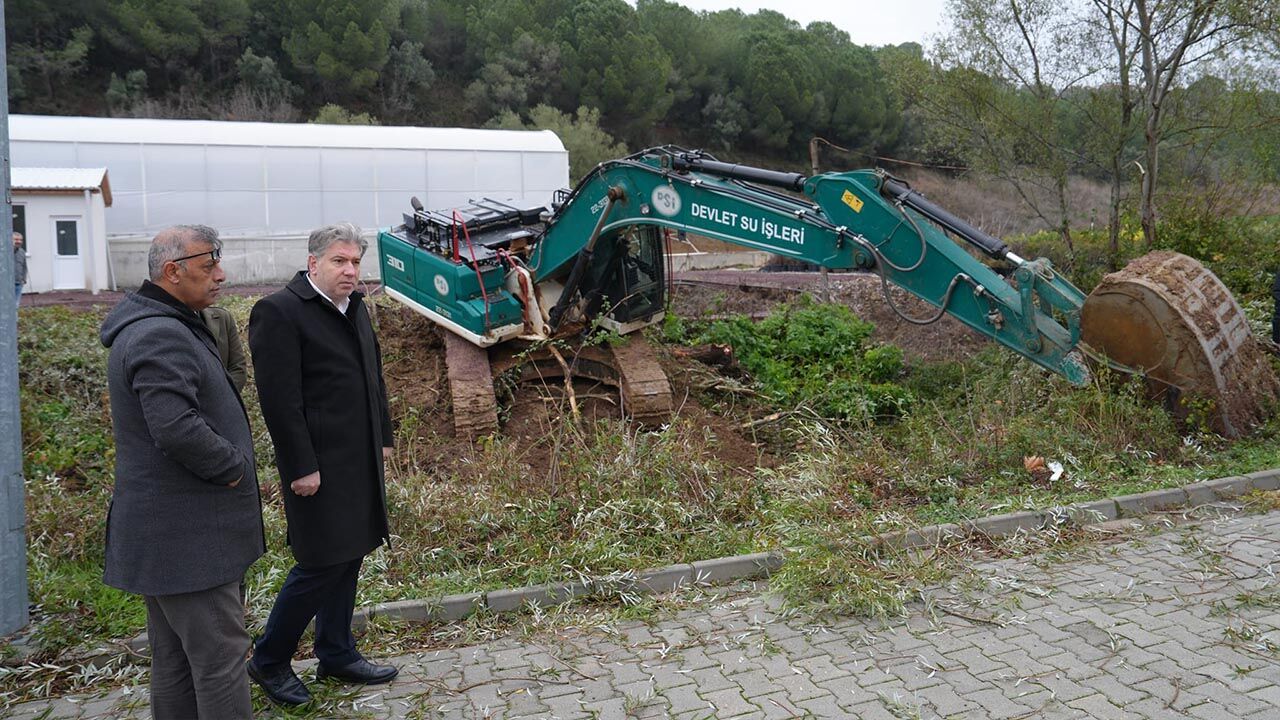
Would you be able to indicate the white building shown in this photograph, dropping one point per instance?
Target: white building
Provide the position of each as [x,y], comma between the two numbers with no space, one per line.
[61,213]
[264,186]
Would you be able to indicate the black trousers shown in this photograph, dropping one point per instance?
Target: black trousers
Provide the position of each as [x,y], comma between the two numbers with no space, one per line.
[1275,317]
[1275,320]
[327,594]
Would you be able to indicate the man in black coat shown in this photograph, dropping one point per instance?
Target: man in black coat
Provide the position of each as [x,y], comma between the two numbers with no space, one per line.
[318,369]
[185,520]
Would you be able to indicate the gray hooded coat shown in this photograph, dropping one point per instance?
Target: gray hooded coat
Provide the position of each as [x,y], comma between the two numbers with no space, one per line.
[182,436]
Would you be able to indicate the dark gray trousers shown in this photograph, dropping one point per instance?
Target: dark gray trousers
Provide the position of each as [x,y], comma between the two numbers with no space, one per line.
[198,647]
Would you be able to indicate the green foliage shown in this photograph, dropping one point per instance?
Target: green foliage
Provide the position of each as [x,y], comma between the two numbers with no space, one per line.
[67,445]
[74,591]
[406,83]
[341,45]
[820,356]
[525,73]
[587,144]
[39,70]
[338,115]
[1241,251]
[615,67]
[169,35]
[123,94]
[261,74]
[778,82]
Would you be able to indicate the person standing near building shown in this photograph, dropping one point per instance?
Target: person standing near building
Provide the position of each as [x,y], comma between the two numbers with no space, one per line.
[185,520]
[318,370]
[19,268]
[227,338]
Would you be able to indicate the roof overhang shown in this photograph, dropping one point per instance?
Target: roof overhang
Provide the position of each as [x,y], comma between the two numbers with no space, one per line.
[61,181]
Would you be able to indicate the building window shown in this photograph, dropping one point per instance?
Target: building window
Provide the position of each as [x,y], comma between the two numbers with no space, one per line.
[20,222]
[68,243]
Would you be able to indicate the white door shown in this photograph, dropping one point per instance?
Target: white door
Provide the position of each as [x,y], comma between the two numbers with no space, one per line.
[68,257]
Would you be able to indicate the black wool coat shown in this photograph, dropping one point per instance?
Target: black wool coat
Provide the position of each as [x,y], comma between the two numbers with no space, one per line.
[319,379]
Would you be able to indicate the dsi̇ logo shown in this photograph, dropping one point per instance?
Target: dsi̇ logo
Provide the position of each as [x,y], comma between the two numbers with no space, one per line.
[666,200]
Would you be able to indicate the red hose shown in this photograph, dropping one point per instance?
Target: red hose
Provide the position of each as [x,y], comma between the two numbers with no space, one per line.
[457,220]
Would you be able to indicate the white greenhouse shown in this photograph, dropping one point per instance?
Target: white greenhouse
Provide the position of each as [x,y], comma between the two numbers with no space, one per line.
[264,186]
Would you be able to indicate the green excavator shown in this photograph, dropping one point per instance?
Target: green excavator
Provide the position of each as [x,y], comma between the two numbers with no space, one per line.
[499,279]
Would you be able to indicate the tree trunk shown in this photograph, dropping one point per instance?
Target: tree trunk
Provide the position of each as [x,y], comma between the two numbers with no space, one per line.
[1064,219]
[1113,217]
[1149,177]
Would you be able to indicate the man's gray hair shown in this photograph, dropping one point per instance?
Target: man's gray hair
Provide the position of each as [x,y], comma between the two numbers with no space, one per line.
[344,232]
[171,243]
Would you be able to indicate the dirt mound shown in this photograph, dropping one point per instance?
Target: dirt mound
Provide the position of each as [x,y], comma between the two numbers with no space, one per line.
[414,367]
[417,378]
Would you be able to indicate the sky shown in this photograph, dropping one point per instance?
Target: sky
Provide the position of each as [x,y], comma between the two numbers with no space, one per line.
[881,22]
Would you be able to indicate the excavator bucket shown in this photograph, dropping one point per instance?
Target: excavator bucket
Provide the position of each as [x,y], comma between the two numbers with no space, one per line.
[1169,317]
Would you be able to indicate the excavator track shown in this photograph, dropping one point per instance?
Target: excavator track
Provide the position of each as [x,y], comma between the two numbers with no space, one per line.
[475,408]
[1170,317]
[631,367]
[646,391]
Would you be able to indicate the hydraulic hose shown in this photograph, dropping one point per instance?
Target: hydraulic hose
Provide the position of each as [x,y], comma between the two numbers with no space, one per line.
[901,192]
[785,180]
[583,262]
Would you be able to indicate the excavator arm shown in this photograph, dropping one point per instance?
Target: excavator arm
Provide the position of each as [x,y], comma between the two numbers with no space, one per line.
[856,220]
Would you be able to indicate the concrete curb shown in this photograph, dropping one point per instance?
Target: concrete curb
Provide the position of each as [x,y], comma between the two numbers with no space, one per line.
[451,608]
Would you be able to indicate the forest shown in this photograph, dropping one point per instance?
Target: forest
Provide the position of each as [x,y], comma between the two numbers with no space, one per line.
[1032,92]
[1160,103]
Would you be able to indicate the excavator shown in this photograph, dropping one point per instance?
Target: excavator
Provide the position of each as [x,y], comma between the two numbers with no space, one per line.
[502,281]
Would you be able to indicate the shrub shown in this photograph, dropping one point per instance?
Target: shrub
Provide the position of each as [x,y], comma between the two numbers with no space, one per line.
[820,356]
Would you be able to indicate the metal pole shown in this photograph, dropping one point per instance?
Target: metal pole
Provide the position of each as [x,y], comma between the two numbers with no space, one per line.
[826,276]
[13,516]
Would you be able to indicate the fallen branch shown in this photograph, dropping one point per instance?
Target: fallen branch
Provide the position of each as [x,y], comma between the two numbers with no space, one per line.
[766,419]
[568,382]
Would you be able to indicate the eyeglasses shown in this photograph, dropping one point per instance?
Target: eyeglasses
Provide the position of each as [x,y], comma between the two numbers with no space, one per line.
[214,255]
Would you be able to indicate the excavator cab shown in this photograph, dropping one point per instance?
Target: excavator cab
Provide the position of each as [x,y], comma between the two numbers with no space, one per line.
[635,291]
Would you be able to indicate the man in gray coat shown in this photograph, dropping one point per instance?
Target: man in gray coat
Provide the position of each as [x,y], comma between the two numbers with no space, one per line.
[185,520]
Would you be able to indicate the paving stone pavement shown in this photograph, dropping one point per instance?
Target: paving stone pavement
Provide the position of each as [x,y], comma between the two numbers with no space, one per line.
[1180,623]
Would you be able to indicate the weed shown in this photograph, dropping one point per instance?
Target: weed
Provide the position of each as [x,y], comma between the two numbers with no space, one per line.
[817,355]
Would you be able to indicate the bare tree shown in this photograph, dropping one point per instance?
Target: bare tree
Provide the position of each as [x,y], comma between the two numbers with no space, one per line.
[1007,113]
[1115,115]
[1008,67]
[1174,38]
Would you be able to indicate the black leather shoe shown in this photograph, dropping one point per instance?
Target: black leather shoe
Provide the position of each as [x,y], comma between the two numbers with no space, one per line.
[282,686]
[361,671]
